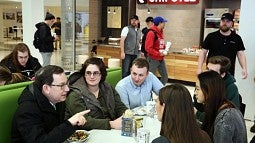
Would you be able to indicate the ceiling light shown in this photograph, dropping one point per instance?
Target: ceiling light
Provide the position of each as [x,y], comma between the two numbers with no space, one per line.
[148,11]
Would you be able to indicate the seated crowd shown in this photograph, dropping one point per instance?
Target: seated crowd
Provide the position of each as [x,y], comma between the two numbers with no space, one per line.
[54,106]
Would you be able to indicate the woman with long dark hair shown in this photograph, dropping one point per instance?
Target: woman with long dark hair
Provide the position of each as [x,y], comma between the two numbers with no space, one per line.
[223,120]
[175,111]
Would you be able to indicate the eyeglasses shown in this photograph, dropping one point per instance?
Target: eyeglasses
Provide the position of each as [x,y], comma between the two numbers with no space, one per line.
[89,73]
[62,86]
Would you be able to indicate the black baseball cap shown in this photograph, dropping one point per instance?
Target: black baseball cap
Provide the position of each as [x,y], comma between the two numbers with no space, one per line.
[149,19]
[227,16]
[134,17]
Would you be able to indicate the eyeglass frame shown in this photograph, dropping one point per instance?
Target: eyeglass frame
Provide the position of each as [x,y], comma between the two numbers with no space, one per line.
[62,86]
[96,73]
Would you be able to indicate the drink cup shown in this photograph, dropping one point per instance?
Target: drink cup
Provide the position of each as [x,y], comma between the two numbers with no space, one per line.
[143,136]
[168,45]
[150,108]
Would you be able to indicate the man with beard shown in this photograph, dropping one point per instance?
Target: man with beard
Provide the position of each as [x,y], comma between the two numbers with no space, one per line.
[224,42]
[129,44]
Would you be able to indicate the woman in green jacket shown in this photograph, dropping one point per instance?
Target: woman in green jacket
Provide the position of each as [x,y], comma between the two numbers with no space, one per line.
[88,90]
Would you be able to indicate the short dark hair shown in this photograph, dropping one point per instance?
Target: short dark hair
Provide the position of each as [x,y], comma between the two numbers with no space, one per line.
[49,16]
[45,75]
[141,63]
[95,61]
[149,19]
[223,61]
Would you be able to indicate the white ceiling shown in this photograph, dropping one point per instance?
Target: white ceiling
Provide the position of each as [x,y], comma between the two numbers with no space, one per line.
[46,2]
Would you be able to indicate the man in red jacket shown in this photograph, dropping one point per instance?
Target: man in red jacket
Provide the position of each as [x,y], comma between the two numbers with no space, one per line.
[155,48]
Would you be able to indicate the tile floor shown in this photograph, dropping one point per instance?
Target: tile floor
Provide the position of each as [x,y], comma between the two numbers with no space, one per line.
[56,59]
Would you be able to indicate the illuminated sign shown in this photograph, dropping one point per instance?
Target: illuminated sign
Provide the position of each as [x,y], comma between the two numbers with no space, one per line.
[168,2]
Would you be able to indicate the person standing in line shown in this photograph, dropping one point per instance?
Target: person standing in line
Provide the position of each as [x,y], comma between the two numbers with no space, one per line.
[224,42]
[40,114]
[175,111]
[156,47]
[149,23]
[136,89]
[46,38]
[129,44]
[57,26]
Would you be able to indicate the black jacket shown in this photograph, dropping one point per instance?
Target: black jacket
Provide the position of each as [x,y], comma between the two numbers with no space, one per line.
[32,65]
[36,120]
[45,37]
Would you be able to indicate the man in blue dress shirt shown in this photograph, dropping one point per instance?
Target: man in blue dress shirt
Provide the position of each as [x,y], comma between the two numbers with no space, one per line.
[136,89]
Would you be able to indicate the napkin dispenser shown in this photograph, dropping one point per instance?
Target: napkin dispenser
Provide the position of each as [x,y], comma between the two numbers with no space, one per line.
[127,127]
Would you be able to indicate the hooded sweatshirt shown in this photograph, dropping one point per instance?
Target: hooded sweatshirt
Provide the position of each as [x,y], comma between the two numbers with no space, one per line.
[45,37]
[152,46]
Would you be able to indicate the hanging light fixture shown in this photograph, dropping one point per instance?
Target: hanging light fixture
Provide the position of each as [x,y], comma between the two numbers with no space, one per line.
[109,10]
[114,12]
[148,11]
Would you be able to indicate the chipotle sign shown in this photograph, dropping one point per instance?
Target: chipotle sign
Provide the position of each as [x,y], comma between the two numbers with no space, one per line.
[168,2]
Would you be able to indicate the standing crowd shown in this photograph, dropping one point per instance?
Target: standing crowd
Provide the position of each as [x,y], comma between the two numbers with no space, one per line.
[54,106]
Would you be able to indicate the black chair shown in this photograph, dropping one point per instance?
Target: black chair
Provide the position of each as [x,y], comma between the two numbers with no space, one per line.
[15,30]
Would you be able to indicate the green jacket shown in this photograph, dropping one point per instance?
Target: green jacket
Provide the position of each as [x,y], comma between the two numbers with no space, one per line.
[232,95]
[80,98]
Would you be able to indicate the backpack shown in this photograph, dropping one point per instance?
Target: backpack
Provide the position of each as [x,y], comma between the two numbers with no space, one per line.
[145,32]
[36,41]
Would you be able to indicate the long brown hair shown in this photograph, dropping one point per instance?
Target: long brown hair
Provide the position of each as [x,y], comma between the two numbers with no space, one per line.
[214,90]
[21,47]
[10,78]
[178,121]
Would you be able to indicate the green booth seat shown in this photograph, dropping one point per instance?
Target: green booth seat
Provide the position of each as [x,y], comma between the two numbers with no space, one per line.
[114,75]
[9,95]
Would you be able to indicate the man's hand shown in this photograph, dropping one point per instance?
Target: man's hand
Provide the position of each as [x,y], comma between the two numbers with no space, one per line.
[244,73]
[78,119]
[117,123]
[199,71]
[122,55]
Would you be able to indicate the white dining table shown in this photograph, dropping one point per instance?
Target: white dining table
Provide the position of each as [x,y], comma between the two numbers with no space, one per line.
[114,136]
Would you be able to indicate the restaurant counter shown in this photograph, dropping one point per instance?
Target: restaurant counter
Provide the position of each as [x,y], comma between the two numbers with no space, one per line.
[180,65]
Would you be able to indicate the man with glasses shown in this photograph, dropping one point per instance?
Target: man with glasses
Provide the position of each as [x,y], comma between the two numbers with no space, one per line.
[136,89]
[39,116]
